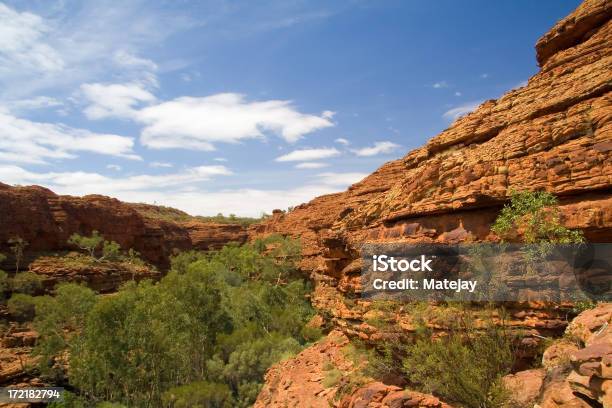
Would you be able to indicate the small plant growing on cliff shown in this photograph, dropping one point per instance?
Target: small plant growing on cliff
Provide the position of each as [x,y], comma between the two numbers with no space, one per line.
[533,217]
[466,365]
[18,246]
[89,244]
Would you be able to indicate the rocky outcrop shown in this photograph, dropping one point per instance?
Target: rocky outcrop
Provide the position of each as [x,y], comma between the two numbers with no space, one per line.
[103,277]
[553,134]
[46,221]
[320,377]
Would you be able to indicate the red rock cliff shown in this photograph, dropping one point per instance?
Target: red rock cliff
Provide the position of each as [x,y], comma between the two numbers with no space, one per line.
[46,220]
[554,133]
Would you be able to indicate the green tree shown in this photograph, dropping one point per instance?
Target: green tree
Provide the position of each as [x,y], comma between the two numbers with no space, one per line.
[18,246]
[5,283]
[89,244]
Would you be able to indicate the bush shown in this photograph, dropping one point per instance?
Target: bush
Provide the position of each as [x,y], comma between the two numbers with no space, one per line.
[27,282]
[21,306]
[331,378]
[533,217]
[200,394]
[466,365]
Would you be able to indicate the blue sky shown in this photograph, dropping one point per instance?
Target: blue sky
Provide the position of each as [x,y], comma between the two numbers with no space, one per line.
[242,107]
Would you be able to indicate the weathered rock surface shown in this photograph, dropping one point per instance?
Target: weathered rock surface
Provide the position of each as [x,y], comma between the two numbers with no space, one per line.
[46,220]
[300,382]
[553,134]
[103,277]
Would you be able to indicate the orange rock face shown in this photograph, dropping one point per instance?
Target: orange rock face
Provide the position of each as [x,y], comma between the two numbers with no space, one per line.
[553,134]
[47,220]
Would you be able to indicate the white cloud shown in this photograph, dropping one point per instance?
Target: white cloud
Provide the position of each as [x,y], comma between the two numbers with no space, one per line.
[378,148]
[197,123]
[311,165]
[114,100]
[309,154]
[160,164]
[73,44]
[25,141]
[458,111]
[458,93]
[341,179]
[220,159]
[439,85]
[22,43]
[81,183]
[178,189]
[342,141]
[115,167]
[126,59]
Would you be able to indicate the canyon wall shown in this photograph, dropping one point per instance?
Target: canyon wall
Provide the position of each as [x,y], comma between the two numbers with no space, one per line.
[553,134]
[47,220]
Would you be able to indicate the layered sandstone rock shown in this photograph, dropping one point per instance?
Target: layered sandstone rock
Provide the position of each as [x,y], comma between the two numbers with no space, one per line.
[103,277]
[553,134]
[46,220]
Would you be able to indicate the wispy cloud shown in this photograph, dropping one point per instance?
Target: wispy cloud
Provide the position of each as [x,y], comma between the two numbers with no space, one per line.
[376,149]
[161,164]
[309,154]
[341,179]
[342,141]
[439,85]
[25,141]
[311,165]
[458,111]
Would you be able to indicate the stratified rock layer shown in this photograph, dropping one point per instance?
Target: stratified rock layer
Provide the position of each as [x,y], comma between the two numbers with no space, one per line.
[553,134]
[46,220]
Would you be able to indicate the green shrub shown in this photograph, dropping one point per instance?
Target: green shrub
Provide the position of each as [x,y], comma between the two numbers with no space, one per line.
[200,394]
[533,217]
[27,282]
[331,378]
[21,306]
[465,366]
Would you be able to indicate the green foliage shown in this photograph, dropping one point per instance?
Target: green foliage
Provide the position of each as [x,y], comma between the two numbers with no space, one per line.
[533,217]
[111,251]
[27,282]
[21,306]
[89,244]
[200,394]
[58,321]
[466,365]
[18,246]
[331,378]
[205,334]
[5,285]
